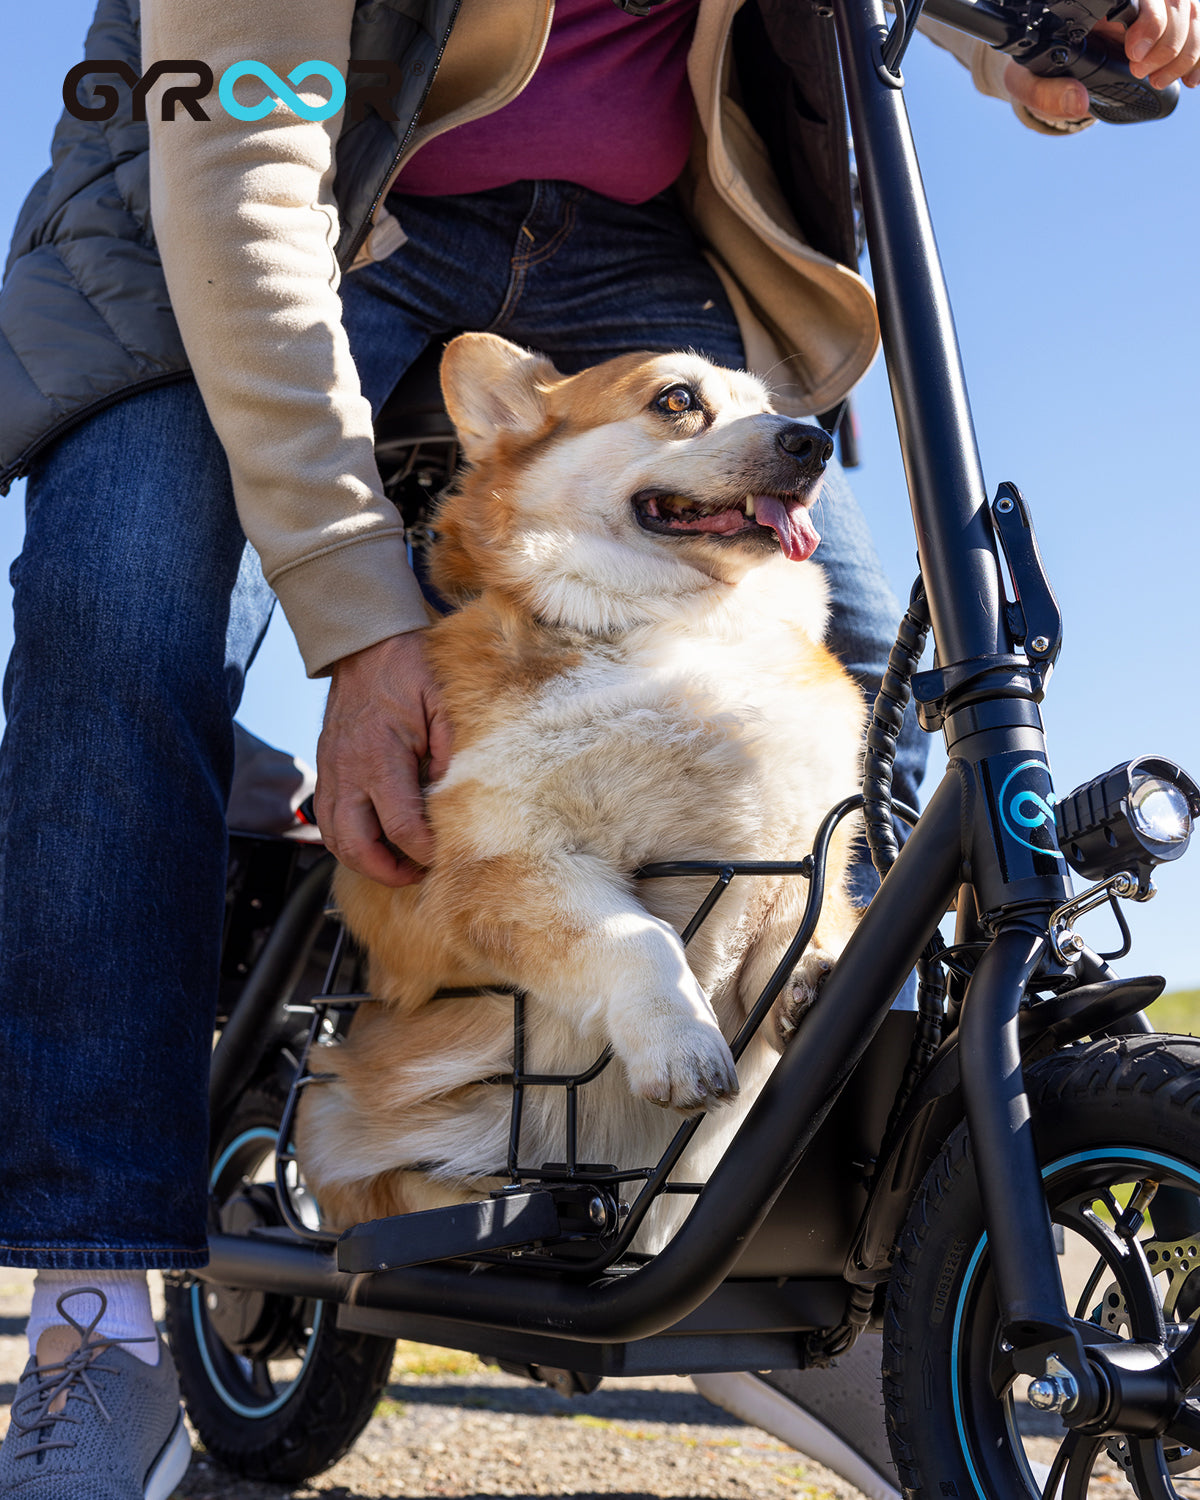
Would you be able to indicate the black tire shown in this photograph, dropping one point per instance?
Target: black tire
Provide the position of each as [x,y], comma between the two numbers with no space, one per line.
[1108,1115]
[273,1387]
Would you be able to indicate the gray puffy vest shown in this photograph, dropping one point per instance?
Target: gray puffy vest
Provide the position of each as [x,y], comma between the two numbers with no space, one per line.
[84,313]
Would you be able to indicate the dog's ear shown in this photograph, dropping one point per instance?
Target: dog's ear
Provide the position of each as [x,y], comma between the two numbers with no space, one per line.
[491,387]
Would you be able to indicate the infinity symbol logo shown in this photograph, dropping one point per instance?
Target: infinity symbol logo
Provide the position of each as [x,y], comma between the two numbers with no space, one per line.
[1018,809]
[1028,809]
[280,93]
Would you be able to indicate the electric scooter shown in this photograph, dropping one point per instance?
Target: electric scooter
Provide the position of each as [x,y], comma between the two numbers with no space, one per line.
[1005,1183]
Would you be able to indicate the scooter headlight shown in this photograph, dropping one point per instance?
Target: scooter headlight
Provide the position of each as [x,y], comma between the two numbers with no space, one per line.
[1134,817]
[1159,811]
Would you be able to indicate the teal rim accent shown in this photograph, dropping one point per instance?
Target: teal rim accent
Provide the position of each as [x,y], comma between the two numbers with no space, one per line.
[1126,1153]
[269,1408]
[256,1133]
[200,1320]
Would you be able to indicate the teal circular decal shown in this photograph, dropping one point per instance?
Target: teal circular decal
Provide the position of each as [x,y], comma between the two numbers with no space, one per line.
[1026,805]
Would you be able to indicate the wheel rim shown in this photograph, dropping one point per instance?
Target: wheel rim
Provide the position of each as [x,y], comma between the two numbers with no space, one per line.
[1118,1278]
[256,1386]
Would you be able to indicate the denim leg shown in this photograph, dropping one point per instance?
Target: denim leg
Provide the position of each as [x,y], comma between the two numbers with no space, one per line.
[547,264]
[138,606]
[591,279]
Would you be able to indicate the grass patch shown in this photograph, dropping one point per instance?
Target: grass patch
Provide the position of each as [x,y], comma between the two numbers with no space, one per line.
[389,1408]
[1179,1012]
[426,1359]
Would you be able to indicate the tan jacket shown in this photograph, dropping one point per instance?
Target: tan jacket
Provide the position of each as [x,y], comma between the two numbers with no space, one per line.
[246,225]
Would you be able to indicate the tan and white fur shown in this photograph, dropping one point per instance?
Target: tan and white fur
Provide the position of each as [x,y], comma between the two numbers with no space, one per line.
[630,679]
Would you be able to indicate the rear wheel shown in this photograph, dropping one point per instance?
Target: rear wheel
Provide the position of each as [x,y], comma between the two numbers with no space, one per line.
[1117,1125]
[273,1387]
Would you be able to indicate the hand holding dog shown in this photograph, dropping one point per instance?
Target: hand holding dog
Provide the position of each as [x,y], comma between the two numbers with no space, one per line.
[383,722]
[1162,45]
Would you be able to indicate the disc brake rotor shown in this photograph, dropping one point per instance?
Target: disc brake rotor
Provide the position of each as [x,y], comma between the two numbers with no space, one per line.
[1179,1262]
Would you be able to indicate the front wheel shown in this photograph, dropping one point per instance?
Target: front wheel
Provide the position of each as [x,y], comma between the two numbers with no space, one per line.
[1117,1125]
[274,1388]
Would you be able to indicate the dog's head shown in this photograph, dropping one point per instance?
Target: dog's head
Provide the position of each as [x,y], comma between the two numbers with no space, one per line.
[601,497]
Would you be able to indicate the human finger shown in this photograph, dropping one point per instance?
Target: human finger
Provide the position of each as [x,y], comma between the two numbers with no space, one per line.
[383,720]
[1181,43]
[1152,37]
[352,832]
[400,809]
[1052,98]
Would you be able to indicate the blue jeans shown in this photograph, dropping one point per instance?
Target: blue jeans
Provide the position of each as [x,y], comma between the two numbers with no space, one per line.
[138,608]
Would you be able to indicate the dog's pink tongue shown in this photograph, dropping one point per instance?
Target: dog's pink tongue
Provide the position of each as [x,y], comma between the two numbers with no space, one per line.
[791,523]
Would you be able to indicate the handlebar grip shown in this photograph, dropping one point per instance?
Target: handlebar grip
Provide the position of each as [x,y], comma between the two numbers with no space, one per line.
[1133,103]
[1116,95]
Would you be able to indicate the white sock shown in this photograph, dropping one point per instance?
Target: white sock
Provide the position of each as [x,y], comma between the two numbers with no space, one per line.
[126,1312]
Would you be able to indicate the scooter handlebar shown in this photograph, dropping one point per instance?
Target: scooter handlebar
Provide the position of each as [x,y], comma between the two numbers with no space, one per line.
[1116,95]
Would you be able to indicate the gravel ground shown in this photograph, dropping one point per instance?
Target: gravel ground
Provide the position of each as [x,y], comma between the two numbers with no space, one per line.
[449,1426]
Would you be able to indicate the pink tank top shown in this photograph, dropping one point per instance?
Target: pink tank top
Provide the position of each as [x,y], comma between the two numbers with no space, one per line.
[609,108]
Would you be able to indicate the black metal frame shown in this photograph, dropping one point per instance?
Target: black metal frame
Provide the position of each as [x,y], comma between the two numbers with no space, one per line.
[984,693]
[567,1202]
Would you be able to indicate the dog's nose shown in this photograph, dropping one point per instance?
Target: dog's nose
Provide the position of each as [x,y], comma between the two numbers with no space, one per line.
[810,446]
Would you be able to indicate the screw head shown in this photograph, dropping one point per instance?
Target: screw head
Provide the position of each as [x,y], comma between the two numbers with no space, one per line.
[1053,1393]
[1004,505]
[1040,643]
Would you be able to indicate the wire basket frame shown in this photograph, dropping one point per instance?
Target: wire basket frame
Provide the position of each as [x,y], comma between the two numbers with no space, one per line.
[330,1011]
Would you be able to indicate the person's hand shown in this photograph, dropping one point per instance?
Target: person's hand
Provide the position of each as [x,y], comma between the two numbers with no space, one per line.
[383,720]
[1162,44]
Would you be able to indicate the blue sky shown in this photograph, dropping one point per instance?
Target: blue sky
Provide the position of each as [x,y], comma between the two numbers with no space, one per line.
[1072,266]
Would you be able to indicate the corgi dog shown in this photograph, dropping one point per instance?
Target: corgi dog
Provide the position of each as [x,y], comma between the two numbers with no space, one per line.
[634,673]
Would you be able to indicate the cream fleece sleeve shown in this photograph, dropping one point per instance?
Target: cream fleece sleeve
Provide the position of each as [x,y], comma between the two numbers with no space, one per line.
[246,224]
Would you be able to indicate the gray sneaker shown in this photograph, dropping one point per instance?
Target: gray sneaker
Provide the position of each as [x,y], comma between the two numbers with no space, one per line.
[100,1425]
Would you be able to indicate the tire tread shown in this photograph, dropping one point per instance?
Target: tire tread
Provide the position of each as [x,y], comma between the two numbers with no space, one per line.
[1161,1070]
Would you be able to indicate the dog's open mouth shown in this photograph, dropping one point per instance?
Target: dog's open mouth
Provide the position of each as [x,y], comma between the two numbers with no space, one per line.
[752,517]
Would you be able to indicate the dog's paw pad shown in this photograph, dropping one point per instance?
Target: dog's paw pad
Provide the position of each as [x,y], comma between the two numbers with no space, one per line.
[805,985]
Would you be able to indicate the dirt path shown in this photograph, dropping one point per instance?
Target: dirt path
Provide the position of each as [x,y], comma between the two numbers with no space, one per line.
[449,1426]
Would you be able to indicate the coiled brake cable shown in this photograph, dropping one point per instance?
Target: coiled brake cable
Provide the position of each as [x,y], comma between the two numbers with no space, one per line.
[879,760]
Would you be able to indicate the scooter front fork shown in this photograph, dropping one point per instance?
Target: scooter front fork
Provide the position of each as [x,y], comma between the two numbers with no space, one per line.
[1136,1389]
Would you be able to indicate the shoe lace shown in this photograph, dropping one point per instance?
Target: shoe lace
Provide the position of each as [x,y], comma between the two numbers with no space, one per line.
[33,1414]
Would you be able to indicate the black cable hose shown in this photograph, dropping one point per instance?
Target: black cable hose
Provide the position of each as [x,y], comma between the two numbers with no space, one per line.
[883,733]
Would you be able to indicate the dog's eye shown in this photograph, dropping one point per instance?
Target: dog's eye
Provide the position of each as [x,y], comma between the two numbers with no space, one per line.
[677,400]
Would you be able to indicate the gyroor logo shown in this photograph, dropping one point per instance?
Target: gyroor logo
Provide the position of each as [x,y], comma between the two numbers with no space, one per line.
[104,100]
[1027,807]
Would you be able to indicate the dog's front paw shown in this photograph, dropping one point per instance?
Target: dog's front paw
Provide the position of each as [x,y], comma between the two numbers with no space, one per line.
[810,974]
[688,1066]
